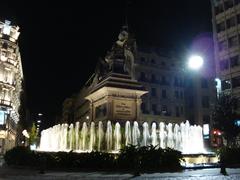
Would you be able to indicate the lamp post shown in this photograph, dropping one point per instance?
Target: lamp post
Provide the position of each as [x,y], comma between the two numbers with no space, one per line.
[192,67]
[195,62]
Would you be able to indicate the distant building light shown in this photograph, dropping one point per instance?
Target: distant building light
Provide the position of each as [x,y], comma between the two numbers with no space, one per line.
[218,86]
[25,133]
[33,147]
[217,132]
[205,129]
[237,122]
[39,121]
[87,117]
[40,114]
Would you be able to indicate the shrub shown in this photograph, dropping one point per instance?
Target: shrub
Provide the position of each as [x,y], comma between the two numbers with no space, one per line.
[20,156]
[230,156]
[130,158]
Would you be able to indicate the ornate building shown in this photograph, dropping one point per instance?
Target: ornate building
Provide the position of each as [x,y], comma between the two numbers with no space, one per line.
[162,75]
[11,77]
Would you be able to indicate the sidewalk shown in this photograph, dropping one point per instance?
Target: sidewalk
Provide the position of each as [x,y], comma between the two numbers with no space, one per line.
[204,174]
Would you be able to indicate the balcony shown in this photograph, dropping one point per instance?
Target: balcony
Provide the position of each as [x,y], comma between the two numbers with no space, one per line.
[7,84]
[9,61]
[5,103]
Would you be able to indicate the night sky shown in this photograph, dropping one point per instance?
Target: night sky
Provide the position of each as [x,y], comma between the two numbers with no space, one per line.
[61,42]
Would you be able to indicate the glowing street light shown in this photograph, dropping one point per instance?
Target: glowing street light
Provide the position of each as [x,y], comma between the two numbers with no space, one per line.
[195,62]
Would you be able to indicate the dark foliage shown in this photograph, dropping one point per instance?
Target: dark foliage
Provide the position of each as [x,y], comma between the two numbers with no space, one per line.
[224,116]
[131,158]
[230,156]
[21,156]
[148,158]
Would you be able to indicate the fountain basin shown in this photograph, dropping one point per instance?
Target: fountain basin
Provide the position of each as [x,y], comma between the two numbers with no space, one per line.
[202,160]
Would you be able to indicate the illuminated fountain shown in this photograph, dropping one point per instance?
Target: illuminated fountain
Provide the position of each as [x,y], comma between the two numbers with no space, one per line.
[89,137]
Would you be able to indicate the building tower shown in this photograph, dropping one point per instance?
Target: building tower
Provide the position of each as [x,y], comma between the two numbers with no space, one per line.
[226,20]
[11,77]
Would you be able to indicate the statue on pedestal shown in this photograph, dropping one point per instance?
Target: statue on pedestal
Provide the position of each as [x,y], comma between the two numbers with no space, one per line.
[120,58]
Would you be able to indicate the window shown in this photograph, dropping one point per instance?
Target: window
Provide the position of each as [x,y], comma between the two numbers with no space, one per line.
[181,94]
[143,107]
[164,80]
[219,9]
[236,82]
[177,111]
[142,76]
[153,92]
[233,41]
[220,27]
[164,109]
[153,78]
[238,18]
[164,93]
[234,61]
[142,59]
[231,22]
[154,108]
[228,4]
[180,82]
[222,45]
[153,61]
[176,94]
[175,81]
[181,109]
[190,102]
[205,102]
[204,83]
[224,64]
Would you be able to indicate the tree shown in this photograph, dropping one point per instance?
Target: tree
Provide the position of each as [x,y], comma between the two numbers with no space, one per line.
[33,134]
[224,116]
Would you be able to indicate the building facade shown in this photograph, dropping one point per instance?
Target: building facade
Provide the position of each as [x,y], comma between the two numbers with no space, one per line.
[175,93]
[226,23]
[11,77]
[163,77]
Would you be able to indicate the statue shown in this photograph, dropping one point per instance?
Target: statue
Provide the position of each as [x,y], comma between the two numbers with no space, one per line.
[102,68]
[120,58]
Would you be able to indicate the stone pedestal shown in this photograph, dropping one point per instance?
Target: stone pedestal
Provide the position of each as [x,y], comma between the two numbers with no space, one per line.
[118,98]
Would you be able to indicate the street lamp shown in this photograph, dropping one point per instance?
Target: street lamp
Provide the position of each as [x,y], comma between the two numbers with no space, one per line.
[195,62]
